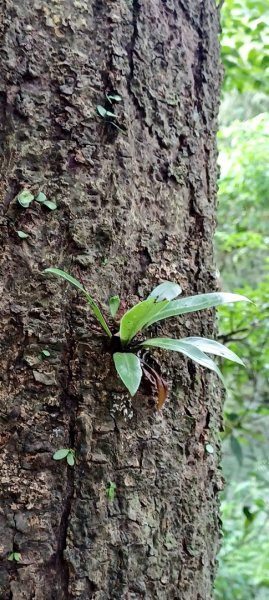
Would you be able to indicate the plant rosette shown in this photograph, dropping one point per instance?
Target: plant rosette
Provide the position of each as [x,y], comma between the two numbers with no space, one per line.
[161,304]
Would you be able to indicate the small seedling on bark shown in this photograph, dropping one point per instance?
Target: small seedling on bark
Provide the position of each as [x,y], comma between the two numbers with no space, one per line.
[114,303]
[112,98]
[67,453]
[105,113]
[22,234]
[161,304]
[209,449]
[42,199]
[111,491]
[102,112]
[45,353]
[25,197]
[14,556]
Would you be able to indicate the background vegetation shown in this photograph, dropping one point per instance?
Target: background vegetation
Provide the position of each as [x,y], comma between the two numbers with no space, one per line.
[242,244]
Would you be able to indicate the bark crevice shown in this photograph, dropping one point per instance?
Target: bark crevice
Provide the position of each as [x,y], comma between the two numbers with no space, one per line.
[70,403]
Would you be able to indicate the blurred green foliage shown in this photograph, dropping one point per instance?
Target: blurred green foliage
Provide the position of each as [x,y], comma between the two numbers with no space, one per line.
[245,44]
[244,558]
[243,216]
[242,243]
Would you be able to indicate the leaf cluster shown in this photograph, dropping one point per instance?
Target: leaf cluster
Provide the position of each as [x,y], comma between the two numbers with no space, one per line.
[25,198]
[162,303]
[245,44]
[67,453]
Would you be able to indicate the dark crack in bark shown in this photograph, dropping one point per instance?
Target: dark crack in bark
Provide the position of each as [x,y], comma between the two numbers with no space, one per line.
[70,403]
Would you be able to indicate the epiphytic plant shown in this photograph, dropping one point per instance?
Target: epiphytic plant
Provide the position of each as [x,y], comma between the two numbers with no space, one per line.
[161,304]
[25,198]
[106,113]
[16,556]
[111,490]
[67,453]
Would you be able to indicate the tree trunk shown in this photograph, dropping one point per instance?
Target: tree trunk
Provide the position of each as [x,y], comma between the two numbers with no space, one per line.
[134,207]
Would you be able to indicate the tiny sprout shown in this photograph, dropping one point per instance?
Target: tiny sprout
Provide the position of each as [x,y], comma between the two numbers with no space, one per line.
[42,199]
[67,453]
[209,449]
[107,115]
[22,234]
[111,491]
[14,556]
[50,204]
[114,303]
[25,198]
[45,353]
[113,98]
[102,112]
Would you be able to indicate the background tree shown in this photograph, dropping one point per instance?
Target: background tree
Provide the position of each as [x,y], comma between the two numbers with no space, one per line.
[123,208]
[242,248]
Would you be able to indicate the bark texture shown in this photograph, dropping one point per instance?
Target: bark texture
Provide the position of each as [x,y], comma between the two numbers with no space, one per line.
[133,210]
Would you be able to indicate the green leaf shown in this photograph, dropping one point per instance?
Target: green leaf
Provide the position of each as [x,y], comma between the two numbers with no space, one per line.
[111,490]
[80,287]
[14,556]
[194,303]
[209,449]
[49,204]
[67,277]
[25,198]
[168,290]
[213,347]
[110,114]
[102,112]
[114,97]
[22,234]
[17,556]
[129,370]
[45,353]
[185,348]
[236,449]
[70,459]
[41,197]
[60,454]
[114,303]
[138,317]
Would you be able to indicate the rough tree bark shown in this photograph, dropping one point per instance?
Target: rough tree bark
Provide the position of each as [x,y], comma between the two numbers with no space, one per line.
[133,210]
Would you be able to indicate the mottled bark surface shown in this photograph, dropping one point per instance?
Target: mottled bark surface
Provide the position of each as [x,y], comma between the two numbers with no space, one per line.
[132,210]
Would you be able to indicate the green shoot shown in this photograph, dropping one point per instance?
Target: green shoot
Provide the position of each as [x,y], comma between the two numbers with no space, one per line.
[16,556]
[67,453]
[25,197]
[111,491]
[114,303]
[22,234]
[161,304]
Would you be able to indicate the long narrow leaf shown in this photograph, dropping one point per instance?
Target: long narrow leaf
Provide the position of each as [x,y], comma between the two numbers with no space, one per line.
[213,347]
[185,348]
[138,317]
[194,303]
[91,301]
[129,369]
[168,290]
